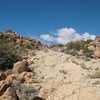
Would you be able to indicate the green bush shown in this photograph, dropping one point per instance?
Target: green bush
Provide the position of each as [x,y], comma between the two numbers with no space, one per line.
[8,54]
[79,45]
[87,52]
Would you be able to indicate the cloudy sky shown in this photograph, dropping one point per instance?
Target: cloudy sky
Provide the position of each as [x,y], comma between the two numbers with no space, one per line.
[52,21]
[64,35]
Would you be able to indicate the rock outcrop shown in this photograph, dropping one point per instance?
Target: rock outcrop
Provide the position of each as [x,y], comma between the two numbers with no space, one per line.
[97,53]
[14,37]
[20,66]
[95,46]
[9,94]
[97,38]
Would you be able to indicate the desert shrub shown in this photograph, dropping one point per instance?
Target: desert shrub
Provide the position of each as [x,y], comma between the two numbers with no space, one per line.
[9,30]
[25,47]
[55,45]
[8,54]
[79,45]
[96,74]
[70,45]
[87,52]
[84,66]
[75,62]
[63,71]
[27,92]
[28,46]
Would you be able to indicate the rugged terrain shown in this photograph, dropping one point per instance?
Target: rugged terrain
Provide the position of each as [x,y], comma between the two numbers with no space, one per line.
[50,74]
[65,77]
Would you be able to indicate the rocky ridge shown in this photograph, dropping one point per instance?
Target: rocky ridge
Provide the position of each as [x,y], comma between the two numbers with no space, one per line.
[18,40]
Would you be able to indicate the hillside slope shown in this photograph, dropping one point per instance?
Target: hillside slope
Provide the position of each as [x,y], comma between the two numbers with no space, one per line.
[46,73]
[65,77]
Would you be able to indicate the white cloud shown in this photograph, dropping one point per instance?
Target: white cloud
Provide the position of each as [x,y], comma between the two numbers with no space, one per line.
[86,36]
[61,40]
[65,35]
[47,37]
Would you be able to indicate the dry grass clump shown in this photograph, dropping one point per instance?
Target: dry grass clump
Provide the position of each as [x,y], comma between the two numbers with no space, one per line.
[83,66]
[64,71]
[96,74]
[75,62]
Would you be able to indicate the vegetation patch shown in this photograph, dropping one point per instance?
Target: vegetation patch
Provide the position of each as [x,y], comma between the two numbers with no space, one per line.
[8,54]
[81,45]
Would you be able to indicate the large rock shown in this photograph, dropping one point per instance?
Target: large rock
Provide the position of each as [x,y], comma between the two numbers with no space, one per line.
[9,94]
[8,87]
[20,66]
[97,53]
[97,38]
[28,77]
[91,48]
[3,86]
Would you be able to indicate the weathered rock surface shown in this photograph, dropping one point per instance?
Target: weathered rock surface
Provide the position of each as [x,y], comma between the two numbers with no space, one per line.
[95,47]
[9,94]
[97,53]
[8,82]
[97,38]
[20,66]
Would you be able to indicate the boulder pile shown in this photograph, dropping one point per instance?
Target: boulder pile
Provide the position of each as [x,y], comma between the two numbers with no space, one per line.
[14,37]
[14,85]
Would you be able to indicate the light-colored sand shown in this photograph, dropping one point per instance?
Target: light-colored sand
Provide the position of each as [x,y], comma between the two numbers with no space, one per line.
[65,77]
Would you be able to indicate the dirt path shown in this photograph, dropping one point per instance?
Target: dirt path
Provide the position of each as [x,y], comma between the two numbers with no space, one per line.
[65,77]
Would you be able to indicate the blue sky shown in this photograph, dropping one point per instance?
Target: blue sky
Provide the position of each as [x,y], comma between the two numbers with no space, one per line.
[46,17]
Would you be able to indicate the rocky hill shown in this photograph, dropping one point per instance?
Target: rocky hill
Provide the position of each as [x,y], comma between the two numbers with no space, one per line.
[48,74]
[19,40]
[14,47]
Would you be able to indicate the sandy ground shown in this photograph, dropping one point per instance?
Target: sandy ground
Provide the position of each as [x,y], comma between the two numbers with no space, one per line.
[65,77]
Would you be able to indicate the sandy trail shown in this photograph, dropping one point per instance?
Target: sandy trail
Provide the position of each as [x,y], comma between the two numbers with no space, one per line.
[65,77]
